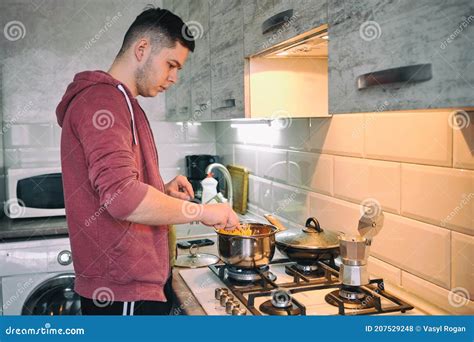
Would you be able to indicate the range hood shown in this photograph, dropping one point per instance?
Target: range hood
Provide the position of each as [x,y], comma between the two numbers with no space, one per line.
[311,44]
[290,79]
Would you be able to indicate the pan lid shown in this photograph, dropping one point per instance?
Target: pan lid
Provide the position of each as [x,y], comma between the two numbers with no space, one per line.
[195,259]
[309,237]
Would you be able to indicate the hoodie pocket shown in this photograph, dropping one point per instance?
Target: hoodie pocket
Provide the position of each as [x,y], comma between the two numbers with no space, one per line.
[141,255]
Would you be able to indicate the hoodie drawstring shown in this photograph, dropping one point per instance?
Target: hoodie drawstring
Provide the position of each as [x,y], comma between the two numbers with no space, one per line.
[122,89]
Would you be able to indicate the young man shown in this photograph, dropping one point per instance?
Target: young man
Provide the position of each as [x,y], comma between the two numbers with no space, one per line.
[118,208]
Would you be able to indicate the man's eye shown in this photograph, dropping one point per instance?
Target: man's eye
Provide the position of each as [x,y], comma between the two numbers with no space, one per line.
[171,65]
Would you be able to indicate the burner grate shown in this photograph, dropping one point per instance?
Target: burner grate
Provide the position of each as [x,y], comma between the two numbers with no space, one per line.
[263,288]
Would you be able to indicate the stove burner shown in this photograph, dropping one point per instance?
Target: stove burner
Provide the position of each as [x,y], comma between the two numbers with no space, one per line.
[310,271]
[352,297]
[280,305]
[244,275]
[352,292]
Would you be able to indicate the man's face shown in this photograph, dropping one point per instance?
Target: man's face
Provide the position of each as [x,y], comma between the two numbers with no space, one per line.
[160,70]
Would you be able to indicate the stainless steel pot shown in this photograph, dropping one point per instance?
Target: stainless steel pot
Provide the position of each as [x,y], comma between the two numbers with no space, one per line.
[248,251]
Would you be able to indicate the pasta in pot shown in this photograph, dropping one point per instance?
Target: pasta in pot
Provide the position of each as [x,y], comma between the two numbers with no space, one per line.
[242,230]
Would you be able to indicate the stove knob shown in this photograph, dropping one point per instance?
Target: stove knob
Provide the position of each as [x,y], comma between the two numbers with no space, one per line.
[64,258]
[225,298]
[239,312]
[231,305]
[219,292]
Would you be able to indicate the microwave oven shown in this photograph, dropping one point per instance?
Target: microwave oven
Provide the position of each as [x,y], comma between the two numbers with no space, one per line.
[34,192]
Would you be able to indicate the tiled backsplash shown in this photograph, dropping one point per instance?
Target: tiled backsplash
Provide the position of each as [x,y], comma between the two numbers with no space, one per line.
[418,165]
[30,145]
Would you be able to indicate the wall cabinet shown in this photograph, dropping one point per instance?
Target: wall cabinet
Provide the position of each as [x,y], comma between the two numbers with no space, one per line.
[269,22]
[178,96]
[200,74]
[395,55]
[227,59]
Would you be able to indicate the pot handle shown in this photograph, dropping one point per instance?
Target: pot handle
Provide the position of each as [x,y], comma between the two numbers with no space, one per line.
[312,225]
[273,220]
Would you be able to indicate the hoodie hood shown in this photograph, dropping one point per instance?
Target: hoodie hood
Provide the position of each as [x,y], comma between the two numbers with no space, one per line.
[82,81]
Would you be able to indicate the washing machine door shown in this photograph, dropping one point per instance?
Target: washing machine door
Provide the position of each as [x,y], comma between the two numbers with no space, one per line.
[55,296]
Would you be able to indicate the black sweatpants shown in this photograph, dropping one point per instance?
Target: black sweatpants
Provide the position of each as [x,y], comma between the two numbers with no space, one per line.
[141,307]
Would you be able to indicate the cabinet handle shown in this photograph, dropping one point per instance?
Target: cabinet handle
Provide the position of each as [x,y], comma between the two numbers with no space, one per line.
[276,21]
[228,103]
[407,74]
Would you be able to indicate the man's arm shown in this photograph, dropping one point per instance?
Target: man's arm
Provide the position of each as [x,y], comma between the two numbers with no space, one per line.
[158,208]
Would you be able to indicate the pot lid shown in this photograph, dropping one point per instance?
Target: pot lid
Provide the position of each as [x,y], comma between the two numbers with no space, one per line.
[310,237]
[195,259]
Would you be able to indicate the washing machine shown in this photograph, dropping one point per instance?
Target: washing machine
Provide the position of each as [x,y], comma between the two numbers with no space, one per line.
[37,278]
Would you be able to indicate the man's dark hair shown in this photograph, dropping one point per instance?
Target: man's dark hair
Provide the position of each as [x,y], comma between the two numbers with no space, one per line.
[162,27]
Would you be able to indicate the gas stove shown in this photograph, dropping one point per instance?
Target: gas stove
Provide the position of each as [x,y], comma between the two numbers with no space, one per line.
[285,288]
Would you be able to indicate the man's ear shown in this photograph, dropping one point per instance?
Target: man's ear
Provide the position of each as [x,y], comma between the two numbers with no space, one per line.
[141,48]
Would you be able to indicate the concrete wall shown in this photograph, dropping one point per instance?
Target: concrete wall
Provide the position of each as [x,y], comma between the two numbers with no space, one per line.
[45,43]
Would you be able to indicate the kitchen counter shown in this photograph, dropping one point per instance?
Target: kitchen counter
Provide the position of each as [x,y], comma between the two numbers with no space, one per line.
[21,229]
[186,303]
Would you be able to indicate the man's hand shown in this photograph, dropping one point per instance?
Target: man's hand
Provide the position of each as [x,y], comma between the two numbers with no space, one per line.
[180,188]
[219,216]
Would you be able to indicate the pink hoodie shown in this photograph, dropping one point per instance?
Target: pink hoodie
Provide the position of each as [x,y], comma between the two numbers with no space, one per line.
[108,157]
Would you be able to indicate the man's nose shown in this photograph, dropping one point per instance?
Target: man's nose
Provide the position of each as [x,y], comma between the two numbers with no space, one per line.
[173,76]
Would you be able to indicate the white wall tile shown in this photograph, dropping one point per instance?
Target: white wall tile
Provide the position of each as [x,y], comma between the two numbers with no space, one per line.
[414,246]
[203,133]
[437,295]
[334,214]
[358,179]
[341,134]
[311,170]
[296,135]
[168,173]
[424,138]
[39,156]
[462,262]
[272,164]
[253,190]
[265,200]
[168,132]
[173,155]
[463,141]
[246,156]
[224,132]
[290,203]
[226,153]
[36,135]
[441,196]
[379,269]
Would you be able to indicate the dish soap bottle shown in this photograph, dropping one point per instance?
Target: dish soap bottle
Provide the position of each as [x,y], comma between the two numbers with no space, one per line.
[209,188]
